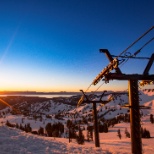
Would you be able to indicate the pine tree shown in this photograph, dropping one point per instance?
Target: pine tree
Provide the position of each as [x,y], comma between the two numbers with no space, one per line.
[61,127]
[29,129]
[80,137]
[127,133]
[90,133]
[151,118]
[55,133]
[41,131]
[105,128]
[49,129]
[141,132]
[7,123]
[21,127]
[17,126]
[145,133]
[69,123]
[25,128]
[148,134]
[119,133]
[101,128]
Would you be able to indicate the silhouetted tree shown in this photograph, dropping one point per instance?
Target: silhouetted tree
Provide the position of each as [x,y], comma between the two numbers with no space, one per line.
[55,133]
[41,131]
[145,133]
[90,133]
[17,126]
[21,127]
[28,128]
[119,134]
[80,137]
[105,128]
[48,128]
[127,133]
[151,118]
[9,124]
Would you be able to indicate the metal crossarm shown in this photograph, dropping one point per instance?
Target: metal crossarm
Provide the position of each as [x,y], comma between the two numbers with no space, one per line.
[86,99]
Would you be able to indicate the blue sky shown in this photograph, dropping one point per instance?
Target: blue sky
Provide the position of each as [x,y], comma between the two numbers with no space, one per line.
[53,45]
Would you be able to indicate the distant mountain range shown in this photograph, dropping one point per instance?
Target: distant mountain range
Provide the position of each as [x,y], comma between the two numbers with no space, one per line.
[37,93]
[62,105]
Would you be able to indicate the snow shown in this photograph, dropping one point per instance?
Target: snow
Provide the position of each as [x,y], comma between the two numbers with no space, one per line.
[14,141]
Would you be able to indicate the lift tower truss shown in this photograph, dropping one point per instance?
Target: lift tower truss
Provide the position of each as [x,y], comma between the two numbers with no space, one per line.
[86,99]
[132,79]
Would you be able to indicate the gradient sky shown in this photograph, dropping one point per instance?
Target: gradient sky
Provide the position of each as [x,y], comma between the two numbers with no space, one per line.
[53,45]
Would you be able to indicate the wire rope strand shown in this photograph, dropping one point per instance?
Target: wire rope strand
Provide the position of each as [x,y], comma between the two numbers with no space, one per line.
[137,52]
[129,48]
[88,87]
[98,88]
[147,43]
[136,41]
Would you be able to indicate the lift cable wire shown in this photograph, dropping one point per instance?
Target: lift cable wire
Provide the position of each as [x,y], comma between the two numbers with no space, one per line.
[98,87]
[143,46]
[138,51]
[134,104]
[114,62]
[129,48]
[134,55]
[136,41]
[142,58]
[128,57]
[88,87]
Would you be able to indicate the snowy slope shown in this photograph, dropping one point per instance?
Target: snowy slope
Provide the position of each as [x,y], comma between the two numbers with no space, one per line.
[13,141]
[38,114]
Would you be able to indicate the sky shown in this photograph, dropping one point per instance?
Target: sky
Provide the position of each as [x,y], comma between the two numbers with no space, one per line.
[53,45]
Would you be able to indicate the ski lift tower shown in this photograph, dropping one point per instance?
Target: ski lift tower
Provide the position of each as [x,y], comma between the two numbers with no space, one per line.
[86,99]
[132,79]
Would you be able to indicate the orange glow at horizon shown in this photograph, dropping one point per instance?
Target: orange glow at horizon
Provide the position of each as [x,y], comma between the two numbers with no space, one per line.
[2,101]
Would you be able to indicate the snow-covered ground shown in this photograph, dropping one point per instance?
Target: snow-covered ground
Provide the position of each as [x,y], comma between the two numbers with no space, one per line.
[14,141]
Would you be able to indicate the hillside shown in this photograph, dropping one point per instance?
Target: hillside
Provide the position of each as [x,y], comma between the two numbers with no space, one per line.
[39,112]
[64,108]
[16,141]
